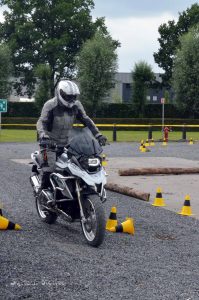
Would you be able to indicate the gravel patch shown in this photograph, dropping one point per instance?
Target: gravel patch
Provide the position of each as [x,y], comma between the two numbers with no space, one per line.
[161,261]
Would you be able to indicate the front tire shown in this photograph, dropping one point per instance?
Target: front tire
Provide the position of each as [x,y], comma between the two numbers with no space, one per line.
[44,214]
[94,226]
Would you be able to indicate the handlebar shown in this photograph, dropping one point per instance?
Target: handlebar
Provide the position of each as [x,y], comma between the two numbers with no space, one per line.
[47,144]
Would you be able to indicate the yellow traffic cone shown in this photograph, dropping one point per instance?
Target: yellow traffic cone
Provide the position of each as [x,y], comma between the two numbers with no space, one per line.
[159,201]
[6,224]
[141,145]
[164,142]
[112,221]
[186,209]
[104,160]
[126,226]
[152,142]
[1,213]
[191,141]
[147,143]
[143,148]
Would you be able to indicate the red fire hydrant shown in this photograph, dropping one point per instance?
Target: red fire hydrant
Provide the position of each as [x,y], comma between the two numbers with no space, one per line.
[166,133]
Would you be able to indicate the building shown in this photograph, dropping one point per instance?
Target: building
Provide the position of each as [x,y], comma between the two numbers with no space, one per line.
[14,97]
[122,91]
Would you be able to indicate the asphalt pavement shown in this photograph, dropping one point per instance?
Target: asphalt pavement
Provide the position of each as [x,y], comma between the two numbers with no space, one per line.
[161,261]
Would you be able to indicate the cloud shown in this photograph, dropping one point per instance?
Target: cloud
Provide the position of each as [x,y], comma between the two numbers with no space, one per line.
[138,37]
[116,8]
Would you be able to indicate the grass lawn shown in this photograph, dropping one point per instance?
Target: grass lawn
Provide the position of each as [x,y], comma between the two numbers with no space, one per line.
[137,136]
[20,135]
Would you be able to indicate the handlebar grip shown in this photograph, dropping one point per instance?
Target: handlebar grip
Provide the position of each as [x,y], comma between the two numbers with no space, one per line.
[47,144]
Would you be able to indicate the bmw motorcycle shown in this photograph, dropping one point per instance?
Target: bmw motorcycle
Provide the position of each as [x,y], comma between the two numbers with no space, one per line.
[76,191]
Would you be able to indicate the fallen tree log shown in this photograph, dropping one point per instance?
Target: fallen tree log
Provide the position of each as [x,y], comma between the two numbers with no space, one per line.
[127,191]
[155,171]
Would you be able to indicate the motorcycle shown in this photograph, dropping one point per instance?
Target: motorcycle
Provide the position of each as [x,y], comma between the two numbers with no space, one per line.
[77,187]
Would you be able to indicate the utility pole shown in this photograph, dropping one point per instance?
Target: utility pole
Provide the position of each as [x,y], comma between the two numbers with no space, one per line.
[163,101]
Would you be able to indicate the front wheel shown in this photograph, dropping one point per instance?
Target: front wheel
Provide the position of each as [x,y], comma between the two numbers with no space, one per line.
[94,225]
[44,214]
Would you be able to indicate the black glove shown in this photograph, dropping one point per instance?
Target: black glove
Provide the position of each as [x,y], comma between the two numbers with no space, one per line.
[45,141]
[102,140]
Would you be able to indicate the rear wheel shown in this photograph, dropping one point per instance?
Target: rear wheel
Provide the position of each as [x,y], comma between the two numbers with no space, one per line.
[45,215]
[94,225]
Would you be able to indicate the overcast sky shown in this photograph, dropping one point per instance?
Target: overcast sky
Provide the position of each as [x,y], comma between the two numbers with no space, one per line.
[135,24]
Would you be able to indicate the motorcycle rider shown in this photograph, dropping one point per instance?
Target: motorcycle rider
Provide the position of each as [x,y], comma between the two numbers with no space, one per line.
[56,121]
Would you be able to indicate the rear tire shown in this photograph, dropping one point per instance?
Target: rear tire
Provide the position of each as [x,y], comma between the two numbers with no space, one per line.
[94,227]
[44,214]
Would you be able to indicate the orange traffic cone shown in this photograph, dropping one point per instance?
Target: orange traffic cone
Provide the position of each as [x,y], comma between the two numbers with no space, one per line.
[186,209]
[112,221]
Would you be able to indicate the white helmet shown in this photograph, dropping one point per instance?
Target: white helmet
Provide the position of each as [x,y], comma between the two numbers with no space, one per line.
[67,92]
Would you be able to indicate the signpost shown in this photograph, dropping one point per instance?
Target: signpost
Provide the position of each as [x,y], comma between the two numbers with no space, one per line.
[3,108]
[163,101]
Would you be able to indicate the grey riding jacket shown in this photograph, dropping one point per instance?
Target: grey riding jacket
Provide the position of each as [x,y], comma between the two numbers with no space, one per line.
[57,121]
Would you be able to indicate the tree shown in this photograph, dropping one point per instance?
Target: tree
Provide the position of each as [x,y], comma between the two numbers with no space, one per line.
[48,32]
[142,76]
[43,91]
[5,71]
[97,65]
[169,39]
[166,96]
[186,73]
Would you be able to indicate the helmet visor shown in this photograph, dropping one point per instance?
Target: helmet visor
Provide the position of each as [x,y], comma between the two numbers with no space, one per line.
[67,98]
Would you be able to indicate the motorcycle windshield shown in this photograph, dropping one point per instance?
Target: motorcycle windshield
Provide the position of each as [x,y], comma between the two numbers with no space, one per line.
[84,145]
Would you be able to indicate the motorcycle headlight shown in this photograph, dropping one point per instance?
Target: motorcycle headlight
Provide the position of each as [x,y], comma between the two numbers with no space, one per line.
[93,162]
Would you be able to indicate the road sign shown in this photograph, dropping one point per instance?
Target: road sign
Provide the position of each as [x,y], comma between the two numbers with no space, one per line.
[162,100]
[3,105]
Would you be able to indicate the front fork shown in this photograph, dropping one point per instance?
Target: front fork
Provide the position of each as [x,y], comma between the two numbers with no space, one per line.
[80,203]
[102,196]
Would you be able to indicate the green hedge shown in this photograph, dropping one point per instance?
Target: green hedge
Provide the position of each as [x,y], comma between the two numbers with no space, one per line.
[25,109]
[112,110]
[109,113]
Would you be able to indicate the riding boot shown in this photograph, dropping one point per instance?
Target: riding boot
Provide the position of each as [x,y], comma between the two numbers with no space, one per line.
[45,180]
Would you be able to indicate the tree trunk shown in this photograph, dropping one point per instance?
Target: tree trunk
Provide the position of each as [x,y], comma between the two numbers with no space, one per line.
[156,171]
